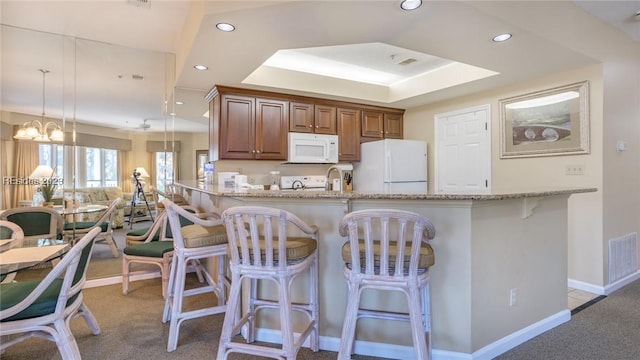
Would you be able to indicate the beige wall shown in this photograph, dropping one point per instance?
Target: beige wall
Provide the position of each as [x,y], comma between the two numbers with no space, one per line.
[585,210]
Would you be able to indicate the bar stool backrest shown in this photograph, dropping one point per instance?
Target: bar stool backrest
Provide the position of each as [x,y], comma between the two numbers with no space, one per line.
[381,241]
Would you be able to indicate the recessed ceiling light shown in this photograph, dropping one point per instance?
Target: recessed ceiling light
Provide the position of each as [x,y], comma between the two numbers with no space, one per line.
[225,27]
[200,67]
[501,37]
[410,4]
[179,103]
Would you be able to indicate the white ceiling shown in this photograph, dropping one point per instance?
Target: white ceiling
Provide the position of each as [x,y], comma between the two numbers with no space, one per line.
[131,40]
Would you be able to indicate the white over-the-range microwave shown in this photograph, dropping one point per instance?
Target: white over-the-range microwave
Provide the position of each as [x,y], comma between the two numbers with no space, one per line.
[313,148]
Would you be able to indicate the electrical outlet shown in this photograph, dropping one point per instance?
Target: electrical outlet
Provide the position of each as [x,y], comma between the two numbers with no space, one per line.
[513,299]
[575,170]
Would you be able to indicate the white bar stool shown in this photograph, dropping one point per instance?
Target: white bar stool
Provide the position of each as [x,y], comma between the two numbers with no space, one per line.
[204,239]
[260,248]
[388,250]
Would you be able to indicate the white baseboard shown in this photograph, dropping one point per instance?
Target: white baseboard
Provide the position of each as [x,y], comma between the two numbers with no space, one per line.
[604,290]
[608,289]
[579,285]
[392,351]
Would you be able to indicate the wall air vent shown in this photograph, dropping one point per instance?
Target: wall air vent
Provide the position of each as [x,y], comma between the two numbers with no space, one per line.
[137,77]
[140,3]
[407,61]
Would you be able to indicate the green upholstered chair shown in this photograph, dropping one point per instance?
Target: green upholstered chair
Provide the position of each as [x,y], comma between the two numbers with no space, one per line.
[74,230]
[44,308]
[154,246]
[37,223]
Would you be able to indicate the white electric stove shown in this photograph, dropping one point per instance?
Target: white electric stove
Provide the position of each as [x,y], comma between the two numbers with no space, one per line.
[303,182]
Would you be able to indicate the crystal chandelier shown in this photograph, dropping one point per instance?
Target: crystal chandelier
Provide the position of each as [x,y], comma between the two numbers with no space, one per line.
[39,130]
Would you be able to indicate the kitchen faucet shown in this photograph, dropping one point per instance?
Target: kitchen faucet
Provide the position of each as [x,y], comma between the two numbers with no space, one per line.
[327,184]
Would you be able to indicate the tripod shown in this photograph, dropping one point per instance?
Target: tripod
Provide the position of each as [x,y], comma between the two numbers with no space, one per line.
[138,193]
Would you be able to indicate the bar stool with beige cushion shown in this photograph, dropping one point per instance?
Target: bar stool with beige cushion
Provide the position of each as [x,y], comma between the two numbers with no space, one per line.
[388,250]
[206,238]
[270,244]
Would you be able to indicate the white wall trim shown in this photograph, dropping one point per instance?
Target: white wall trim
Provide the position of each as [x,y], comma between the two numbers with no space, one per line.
[392,351]
[579,285]
[608,289]
[135,276]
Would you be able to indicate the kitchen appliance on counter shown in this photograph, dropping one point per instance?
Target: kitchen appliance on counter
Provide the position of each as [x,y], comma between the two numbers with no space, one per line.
[303,182]
[392,166]
[312,148]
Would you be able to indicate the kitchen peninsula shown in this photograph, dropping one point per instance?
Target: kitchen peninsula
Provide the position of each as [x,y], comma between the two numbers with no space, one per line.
[500,274]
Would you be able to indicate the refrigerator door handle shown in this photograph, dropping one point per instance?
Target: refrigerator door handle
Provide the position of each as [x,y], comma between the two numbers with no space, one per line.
[387,166]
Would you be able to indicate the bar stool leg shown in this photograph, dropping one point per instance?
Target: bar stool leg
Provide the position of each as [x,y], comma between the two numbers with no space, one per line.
[176,307]
[231,317]
[350,320]
[285,316]
[313,304]
[417,324]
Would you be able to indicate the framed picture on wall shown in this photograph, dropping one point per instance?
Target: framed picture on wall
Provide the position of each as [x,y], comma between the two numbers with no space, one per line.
[202,157]
[546,123]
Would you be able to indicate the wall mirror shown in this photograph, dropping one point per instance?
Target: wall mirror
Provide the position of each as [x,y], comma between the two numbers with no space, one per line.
[74,91]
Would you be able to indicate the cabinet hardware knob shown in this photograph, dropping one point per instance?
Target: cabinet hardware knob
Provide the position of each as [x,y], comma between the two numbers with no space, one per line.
[310,125]
[253,151]
[381,132]
[257,151]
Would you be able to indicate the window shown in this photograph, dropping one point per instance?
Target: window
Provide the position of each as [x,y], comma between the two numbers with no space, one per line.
[52,155]
[164,169]
[101,166]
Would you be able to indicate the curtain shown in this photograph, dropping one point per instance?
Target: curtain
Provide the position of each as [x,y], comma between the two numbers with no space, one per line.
[125,169]
[5,194]
[26,160]
[153,168]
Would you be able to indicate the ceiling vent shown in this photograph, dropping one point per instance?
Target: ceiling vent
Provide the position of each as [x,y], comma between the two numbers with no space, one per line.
[407,61]
[140,3]
[137,77]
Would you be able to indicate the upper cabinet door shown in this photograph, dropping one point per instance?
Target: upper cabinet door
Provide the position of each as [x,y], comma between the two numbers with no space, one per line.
[325,120]
[372,124]
[393,126]
[237,116]
[301,117]
[348,134]
[272,125]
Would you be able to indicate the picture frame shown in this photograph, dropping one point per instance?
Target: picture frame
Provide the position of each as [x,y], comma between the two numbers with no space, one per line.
[202,157]
[546,123]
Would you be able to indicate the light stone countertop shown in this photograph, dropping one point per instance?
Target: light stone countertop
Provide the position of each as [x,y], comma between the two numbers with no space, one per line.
[356,195]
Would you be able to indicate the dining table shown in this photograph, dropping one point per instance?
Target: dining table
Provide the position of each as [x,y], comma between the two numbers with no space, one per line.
[30,254]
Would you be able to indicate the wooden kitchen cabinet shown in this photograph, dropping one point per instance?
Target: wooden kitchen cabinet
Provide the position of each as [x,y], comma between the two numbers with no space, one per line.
[237,127]
[348,134]
[271,128]
[393,126]
[252,128]
[373,124]
[378,125]
[253,124]
[310,118]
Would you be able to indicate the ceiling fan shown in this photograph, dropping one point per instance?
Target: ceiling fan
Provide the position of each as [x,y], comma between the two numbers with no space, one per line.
[143,126]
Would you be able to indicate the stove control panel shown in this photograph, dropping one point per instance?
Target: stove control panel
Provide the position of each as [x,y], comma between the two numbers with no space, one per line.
[302,182]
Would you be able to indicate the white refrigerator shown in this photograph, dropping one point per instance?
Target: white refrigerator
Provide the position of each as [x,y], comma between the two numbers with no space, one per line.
[391,166]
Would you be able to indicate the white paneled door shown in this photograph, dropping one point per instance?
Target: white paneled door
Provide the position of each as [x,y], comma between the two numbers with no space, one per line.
[463,151]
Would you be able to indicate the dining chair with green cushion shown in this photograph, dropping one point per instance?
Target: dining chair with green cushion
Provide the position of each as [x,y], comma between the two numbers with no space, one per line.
[37,222]
[44,308]
[73,230]
[139,236]
[152,248]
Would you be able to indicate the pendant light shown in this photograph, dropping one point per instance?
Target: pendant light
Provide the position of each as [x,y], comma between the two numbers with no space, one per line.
[39,130]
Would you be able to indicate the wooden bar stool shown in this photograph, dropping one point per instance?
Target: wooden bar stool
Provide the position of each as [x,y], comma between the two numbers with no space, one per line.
[388,250]
[260,248]
[204,239]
